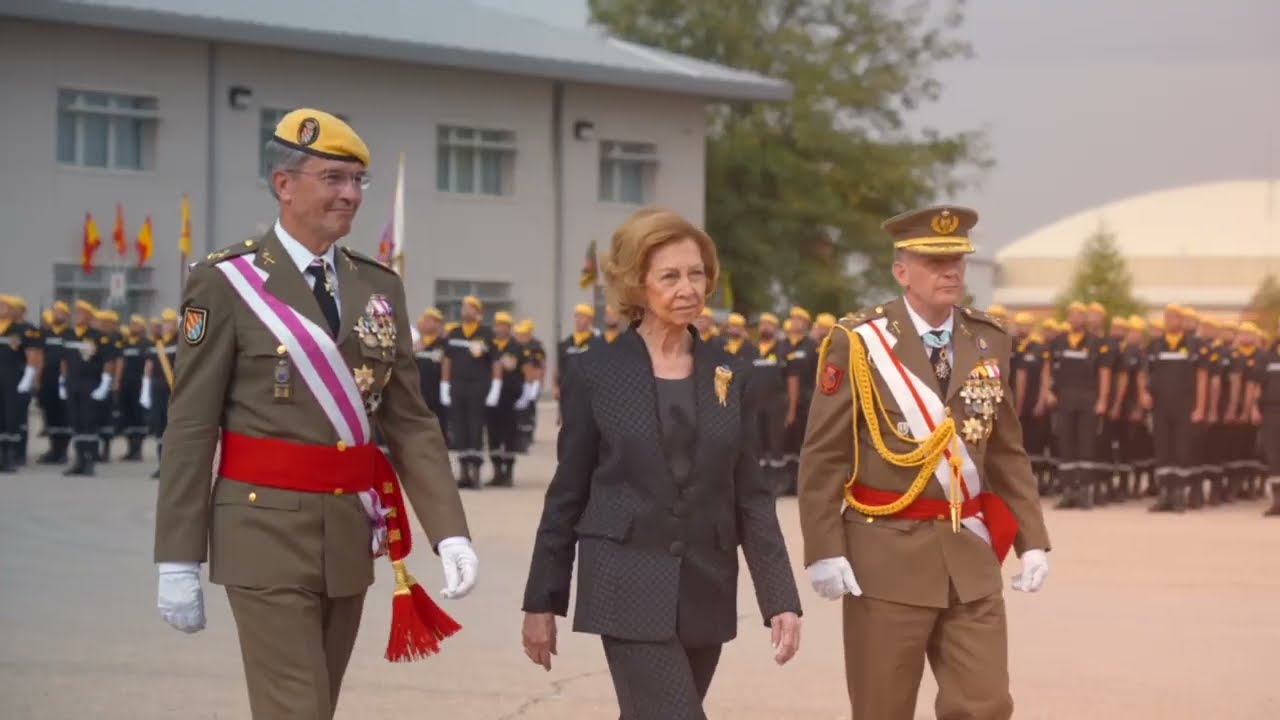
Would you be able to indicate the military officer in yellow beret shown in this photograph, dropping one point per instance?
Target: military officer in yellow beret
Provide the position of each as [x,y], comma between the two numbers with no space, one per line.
[292,350]
[908,517]
[706,325]
[769,380]
[822,324]
[734,343]
[161,360]
[53,406]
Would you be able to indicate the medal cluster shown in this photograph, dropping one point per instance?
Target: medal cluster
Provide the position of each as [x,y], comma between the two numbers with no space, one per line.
[982,393]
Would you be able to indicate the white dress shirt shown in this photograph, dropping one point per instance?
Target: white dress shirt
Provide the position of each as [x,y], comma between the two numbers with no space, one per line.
[922,327]
[302,257]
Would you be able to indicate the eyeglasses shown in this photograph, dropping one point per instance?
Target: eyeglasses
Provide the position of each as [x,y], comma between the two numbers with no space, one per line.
[336,179]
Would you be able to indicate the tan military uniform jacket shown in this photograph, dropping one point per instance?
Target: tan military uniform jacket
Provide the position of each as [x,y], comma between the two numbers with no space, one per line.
[914,562]
[265,537]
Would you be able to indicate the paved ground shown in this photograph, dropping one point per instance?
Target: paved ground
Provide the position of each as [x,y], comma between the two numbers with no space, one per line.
[1143,617]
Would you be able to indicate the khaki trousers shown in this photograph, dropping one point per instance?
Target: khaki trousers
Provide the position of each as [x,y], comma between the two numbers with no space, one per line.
[885,646]
[295,645]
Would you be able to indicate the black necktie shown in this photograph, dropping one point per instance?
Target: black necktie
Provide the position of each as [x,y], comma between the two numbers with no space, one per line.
[938,358]
[324,295]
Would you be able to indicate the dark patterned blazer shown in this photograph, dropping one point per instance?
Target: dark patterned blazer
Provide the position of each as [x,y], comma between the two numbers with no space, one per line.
[650,551]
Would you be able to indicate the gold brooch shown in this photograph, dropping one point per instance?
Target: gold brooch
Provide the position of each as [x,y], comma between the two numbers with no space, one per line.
[364,379]
[723,376]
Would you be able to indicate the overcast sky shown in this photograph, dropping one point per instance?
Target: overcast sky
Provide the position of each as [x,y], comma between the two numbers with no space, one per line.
[1089,101]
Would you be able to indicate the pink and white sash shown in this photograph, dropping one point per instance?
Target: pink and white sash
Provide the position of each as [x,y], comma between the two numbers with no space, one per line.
[923,411]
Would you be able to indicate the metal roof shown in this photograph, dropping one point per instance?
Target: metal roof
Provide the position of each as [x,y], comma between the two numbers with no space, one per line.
[448,33]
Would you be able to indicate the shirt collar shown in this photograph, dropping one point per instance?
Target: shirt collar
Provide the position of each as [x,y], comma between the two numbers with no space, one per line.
[301,256]
[922,325]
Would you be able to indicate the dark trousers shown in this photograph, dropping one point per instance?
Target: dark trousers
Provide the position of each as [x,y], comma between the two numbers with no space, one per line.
[1076,429]
[795,433]
[1035,435]
[660,680]
[1269,436]
[20,453]
[467,419]
[526,426]
[771,430]
[84,414]
[502,432]
[133,417]
[10,407]
[1175,438]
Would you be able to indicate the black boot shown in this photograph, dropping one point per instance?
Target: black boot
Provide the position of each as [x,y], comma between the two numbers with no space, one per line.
[6,465]
[1274,510]
[1195,493]
[78,467]
[1164,498]
[104,450]
[159,451]
[135,449]
[467,478]
[1068,501]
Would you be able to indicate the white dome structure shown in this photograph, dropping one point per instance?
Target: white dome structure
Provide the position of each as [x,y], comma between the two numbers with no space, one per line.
[1208,246]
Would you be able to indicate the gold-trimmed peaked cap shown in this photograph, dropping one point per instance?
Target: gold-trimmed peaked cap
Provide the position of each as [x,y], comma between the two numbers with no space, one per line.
[934,230]
[316,132]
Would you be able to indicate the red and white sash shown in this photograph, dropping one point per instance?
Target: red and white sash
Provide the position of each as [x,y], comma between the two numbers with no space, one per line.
[311,349]
[923,410]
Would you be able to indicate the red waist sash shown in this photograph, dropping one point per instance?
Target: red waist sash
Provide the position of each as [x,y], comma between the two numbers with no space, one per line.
[996,514]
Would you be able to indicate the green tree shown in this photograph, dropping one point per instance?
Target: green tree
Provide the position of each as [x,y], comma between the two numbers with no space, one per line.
[795,188]
[1102,275]
[1265,304]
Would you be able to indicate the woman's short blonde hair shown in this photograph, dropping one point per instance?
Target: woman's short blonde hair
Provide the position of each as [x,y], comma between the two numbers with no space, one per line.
[634,243]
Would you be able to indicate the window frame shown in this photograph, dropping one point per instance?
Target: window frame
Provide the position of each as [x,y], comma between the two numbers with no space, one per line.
[147,123]
[450,143]
[615,155]
[70,283]
[494,295]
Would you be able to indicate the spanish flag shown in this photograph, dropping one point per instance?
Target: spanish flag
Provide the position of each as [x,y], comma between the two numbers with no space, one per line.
[117,233]
[90,244]
[144,242]
[184,240]
[590,268]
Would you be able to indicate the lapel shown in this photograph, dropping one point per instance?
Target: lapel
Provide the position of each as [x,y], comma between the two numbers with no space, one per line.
[353,292]
[966,354]
[910,348]
[285,281]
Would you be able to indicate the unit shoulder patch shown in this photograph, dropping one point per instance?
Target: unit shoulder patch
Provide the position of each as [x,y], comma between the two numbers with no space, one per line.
[195,322]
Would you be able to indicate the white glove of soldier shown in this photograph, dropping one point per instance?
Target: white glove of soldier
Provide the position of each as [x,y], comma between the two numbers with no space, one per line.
[445,398]
[179,597]
[27,381]
[104,388]
[144,397]
[831,578]
[460,566]
[529,395]
[62,388]
[1035,569]
[495,389]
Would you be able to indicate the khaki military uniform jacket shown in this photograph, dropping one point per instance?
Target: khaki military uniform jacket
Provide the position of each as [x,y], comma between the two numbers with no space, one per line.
[913,562]
[227,379]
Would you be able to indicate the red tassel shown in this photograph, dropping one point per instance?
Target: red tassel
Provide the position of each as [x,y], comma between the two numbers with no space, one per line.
[437,621]
[410,639]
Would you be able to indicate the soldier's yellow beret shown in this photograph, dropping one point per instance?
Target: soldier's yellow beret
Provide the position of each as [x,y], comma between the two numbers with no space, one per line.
[768,317]
[825,320]
[61,306]
[1049,323]
[523,327]
[47,317]
[706,312]
[108,316]
[528,322]
[1023,318]
[1077,305]
[86,306]
[502,316]
[1231,324]
[584,309]
[18,302]
[1096,306]
[736,320]
[316,132]
[786,325]
[473,301]
[1157,323]
[998,310]
[1137,323]
[799,312]
[1190,313]
[168,315]
[1174,308]
[1249,327]
[137,319]
[1120,322]
[153,320]
[433,312]
[935,230]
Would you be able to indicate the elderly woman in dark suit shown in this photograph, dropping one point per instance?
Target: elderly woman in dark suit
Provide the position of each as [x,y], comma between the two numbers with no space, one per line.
[657,486]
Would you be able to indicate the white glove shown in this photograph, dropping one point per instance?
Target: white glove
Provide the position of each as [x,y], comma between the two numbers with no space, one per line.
[529,395]
[103,389]
[445,399]
[495,389]
[1035,569]
[831,578]
[144,397]
[28,379]
[62,388]
[180,599]
[460,566]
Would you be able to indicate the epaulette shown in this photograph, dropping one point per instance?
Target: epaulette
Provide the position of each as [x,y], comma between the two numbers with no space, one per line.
[853,320]
[982,317]
[241,248]
[365,259]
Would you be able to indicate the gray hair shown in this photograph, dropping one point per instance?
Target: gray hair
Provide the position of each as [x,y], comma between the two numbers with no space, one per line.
[283,158]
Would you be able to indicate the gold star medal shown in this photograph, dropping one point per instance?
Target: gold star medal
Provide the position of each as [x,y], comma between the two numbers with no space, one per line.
[973,430]
[364,379]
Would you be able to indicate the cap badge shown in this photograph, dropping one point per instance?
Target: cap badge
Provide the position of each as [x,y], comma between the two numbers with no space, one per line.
[308,131]
[944,223]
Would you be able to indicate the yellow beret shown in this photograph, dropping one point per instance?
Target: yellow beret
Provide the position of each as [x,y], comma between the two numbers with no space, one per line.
[997,310]
[736,320]
[1023,318]
[168,315]
[14,301]
[318,133]
[584,309]
[1096,306]
[706,312]
[1049,324]
[136,318]
[433,312]
[60,305]
[799,312]
[1157,323]
[473,301]
[524,327]
[1190,313]
[86,305]
[47,317]
[786,325]
[109,316]
[1212,322]
[502,316]
[825,320]
[1249,327]
[528,323]
[1137,323]
[153,320]
[768,317]
[1077,305]
[1230,324]
[1174,307]
[1120,322]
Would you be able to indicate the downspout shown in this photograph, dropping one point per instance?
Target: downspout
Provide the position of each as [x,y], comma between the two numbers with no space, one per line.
[211,155]
[558,209]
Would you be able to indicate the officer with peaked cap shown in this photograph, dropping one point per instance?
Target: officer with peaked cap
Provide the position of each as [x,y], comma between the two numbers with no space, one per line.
[470,384]
[292,350]
[908,517]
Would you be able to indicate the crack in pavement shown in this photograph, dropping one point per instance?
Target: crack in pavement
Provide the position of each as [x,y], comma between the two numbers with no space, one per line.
[557,688]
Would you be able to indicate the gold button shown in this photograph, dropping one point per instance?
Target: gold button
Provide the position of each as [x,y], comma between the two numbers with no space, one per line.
[253,497]
[870,519]
[342,446]
[339,492]
[879,309]
[248,243]
[281,350]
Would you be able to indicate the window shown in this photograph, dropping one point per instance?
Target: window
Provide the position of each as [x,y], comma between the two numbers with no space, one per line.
[627,172]
[101,130]
[268,119]
[494,295]
[473,161]
[135,286]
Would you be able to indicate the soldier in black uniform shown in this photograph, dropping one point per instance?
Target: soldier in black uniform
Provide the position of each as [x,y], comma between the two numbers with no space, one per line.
[155,328]
[13,372]
[1133,440]
[428,352]
[1175,387]
[85,383]
[581,340]
[1245,480]
[1103,470]
[157,383]
[133,364]
[107,323]
[1263,401]
[57,424]
[511,358]
[471,381]
[769,388]
[1075,383]
[1027,365]
[535,368]
[1216,450]
[31,349]
[822,324]
[613,325]
[706,325]
[735,345]
[802,373]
